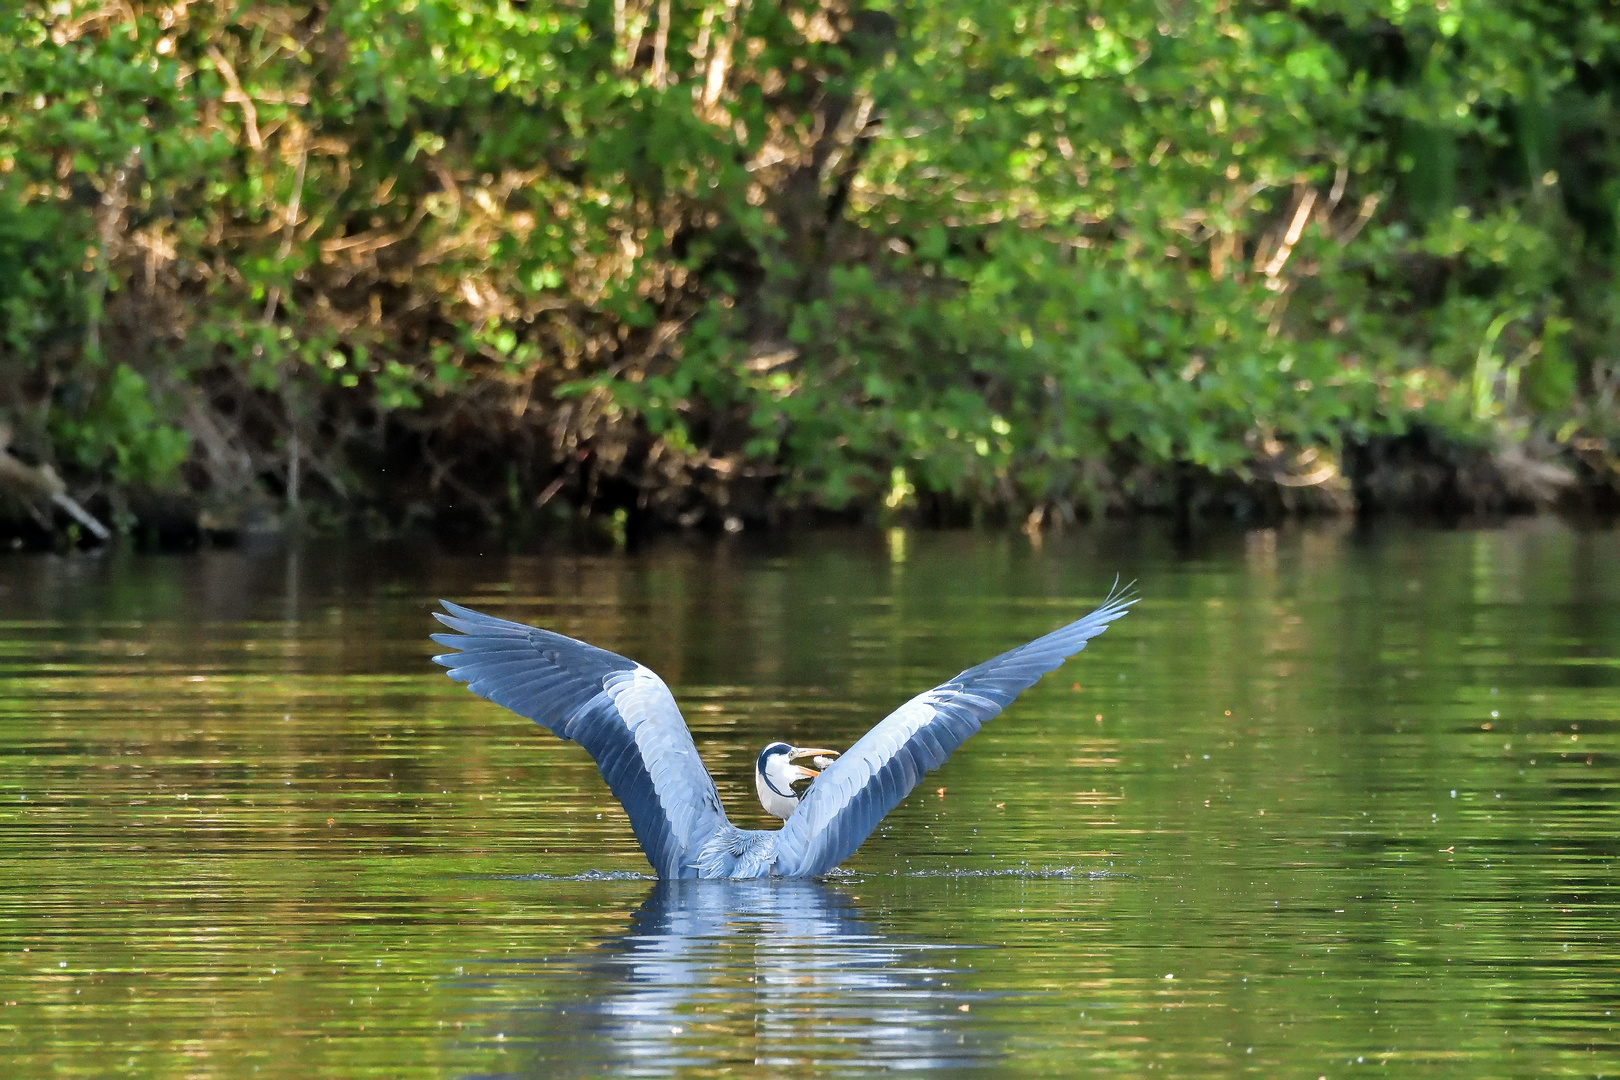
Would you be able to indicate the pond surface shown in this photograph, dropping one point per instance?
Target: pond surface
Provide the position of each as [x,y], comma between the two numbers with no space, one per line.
[1326,800]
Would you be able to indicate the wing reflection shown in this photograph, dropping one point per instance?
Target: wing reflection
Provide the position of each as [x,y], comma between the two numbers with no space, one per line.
[707,973]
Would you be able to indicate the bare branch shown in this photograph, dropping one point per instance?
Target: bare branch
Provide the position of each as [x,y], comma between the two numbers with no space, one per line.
[235,94]
[660,67]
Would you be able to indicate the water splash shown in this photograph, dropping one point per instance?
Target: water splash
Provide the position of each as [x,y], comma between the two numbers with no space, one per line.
[1024,872]
[584,875]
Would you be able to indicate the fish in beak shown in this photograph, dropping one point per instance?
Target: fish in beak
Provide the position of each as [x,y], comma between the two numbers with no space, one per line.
[818,759]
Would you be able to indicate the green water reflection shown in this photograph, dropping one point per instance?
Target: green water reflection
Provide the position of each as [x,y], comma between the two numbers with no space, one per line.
[1324,801]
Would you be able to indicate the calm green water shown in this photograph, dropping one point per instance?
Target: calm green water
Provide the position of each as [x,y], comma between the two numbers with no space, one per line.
[1325,801]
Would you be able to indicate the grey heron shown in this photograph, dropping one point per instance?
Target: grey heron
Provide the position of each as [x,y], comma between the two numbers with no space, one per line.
[627,720]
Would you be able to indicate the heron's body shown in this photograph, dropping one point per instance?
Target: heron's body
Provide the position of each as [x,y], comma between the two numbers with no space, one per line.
[626,718]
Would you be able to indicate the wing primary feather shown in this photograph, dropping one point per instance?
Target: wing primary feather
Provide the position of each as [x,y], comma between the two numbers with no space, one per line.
[853,794]
[619,711]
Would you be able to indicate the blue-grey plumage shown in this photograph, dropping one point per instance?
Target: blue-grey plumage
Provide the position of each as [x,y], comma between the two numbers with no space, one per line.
[626,719]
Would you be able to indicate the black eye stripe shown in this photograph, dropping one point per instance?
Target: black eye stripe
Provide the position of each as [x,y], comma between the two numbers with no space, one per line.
[773,748]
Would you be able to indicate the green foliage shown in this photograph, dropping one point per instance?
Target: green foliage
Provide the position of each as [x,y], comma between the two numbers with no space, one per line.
[1004,254]
[114,430]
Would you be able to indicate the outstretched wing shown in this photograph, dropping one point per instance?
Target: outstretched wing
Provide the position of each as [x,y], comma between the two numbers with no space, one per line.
[852,795]
[619,711]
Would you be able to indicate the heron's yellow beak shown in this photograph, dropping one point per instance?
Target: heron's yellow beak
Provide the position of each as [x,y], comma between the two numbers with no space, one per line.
[818,757]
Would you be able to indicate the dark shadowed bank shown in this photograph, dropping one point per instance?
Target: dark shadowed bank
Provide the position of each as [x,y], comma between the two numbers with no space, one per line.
[484,265]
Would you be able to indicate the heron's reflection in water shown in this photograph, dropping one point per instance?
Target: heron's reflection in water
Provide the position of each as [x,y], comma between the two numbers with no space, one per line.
[779,973]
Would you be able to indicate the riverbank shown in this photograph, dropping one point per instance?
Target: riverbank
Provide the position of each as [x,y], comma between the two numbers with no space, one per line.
[1418,476]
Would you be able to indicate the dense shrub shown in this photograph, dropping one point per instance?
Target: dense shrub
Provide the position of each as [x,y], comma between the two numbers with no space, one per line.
[705,259]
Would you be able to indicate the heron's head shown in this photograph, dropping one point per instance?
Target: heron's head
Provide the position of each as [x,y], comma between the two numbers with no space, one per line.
[783,775]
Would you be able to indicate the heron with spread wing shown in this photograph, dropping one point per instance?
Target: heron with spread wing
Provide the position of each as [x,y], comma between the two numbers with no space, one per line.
[627,720]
